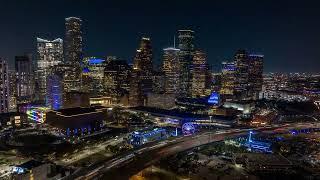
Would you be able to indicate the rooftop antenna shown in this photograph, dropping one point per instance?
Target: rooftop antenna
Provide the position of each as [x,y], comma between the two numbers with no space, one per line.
[174,41]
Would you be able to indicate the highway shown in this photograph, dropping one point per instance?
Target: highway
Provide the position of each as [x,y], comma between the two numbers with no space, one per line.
[126,165]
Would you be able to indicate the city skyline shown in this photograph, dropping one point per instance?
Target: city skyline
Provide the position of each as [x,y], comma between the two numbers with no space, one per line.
[289,42]
[164,89]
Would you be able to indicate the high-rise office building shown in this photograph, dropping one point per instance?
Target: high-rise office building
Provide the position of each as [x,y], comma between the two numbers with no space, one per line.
[4,87]
[49,54]
[228,78]
[142,73]
[54,98]
[24,79]
[170,68]
[200,69]
[94,70]
[242,75]
[186,46]
[136,96]
[12,90]
[73,40]
[73,51]
[116,76]
[158,82]
[143,58]
[255,74]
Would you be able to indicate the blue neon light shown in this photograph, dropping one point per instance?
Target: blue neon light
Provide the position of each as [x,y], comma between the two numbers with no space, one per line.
[96,61]
[214,98]
[85,70]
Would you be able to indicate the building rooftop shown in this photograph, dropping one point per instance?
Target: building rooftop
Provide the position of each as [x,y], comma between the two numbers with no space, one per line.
[76,110]
[264,159]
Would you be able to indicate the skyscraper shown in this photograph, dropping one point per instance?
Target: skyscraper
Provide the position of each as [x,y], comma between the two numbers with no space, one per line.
[242,75]
[255,74]
[73,51]
[54,98]
[24,79]
[142,70]
[158,80]
[12,90]
[49,54]
[200,69]
[95,74]
[136,96]
[186,46]
[141,77]
[143,59]
[171,70]
[116,76]
[4,87]
[228,79]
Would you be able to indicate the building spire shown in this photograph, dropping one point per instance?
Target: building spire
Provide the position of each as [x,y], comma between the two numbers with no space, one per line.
[174,41]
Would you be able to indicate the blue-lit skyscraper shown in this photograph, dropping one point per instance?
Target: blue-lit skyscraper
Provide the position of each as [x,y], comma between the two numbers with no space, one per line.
[54,92]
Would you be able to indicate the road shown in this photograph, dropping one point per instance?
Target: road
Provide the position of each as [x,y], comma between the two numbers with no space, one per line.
[126,165]
[88,151]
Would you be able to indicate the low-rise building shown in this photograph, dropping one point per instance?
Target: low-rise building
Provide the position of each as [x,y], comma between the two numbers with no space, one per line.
[262,162]
[79,120]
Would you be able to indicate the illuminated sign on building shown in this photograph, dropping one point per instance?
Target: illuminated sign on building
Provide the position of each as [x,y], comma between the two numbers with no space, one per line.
[214,98]
[37,114]
[94,61]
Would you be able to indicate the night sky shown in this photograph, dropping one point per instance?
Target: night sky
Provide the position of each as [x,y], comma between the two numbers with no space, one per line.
[286,32]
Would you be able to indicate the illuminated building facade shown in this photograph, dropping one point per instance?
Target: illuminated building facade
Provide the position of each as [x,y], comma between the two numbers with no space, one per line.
[95,72]
[49,54]
[142,62]
[73,50]
[102,101]
[74,99]
[136,96]
[142,137]
[199,74]
[158,82]
[24,79]
[37,113]
[228,79]
[186,46]
[163,101]
[243,106]
[141,76]
[143,58]
[242,74]
[171,70]
[116,76]
[12,90]
[214,99]
[4,87]
[54,98]
[255,74]
[77,121]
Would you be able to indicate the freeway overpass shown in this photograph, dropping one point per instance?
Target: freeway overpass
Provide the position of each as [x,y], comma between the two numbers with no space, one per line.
[126,165]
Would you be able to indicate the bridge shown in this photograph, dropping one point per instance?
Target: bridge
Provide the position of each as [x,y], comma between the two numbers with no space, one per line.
[128,164]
